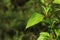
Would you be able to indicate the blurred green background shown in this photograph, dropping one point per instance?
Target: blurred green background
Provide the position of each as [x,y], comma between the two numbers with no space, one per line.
[13,19]
[14,15]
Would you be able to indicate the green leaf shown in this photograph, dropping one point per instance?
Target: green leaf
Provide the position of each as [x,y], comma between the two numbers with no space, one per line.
[34,19]
[57,9]
[57,31]
[44,36]
[42,1]
[46,9]
[56,1]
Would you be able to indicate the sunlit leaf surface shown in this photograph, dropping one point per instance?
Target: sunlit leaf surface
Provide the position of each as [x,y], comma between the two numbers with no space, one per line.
[34,19]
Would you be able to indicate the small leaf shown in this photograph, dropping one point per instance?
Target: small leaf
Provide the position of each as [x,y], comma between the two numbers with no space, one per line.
[46,9]
[57,9]
[34,19]
[56,1]
[57,32]
[43,36]
[42,1]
